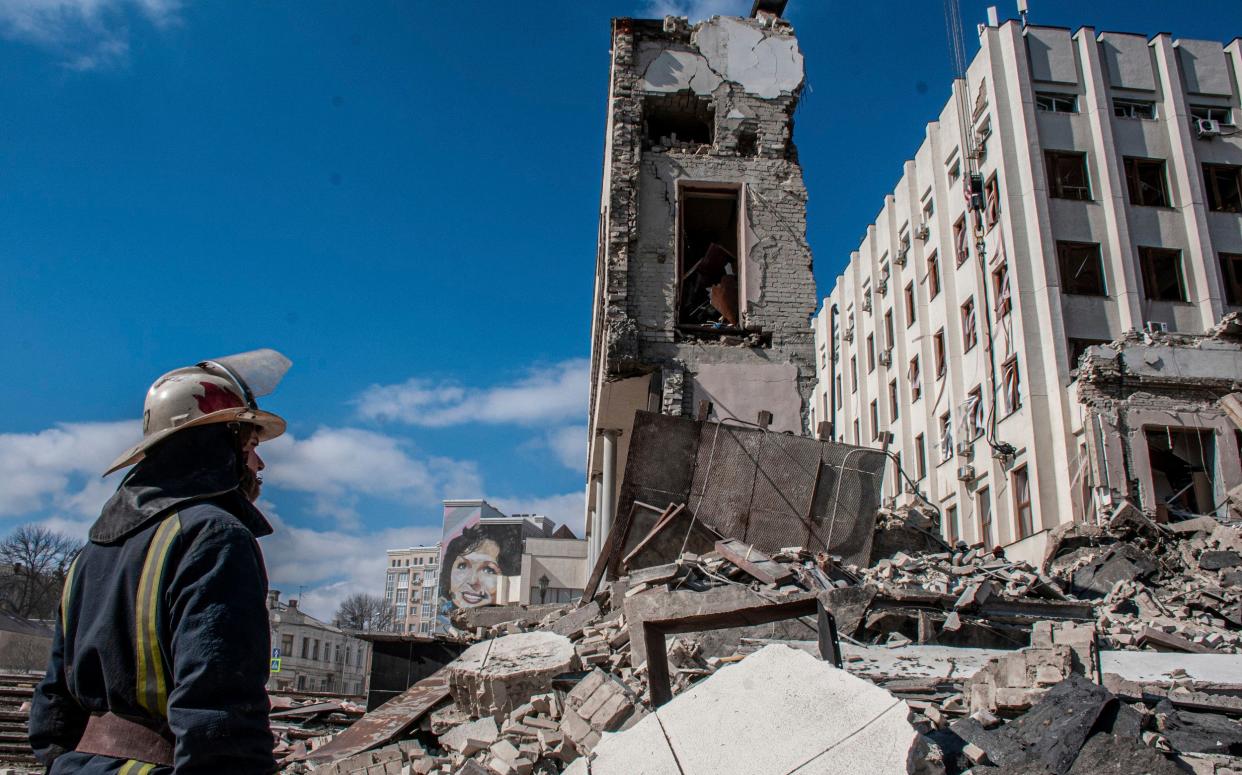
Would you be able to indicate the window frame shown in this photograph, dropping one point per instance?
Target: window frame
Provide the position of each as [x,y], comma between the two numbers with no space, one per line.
[1133,181]
[1064,264]
[1011,384]
[1023,510]
[991,201]
[920,450]
[1147,255]
[1052,160]
[915,378]
[1211,182]
[1002,290]
[970,325]
[1231,277]
[911,304]
[1124,108]
[1051,100]
[940,355]
[961,240]
[933,275]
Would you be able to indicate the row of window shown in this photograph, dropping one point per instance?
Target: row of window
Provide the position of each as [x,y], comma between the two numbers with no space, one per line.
[1146,181]
[1020,487]
[311,650]
[407,562]
[1081,268]
[1058,102]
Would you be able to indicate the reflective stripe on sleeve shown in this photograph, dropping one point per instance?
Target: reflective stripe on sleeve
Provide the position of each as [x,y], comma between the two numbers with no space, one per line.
[66,594]
[152,680]
[135,767]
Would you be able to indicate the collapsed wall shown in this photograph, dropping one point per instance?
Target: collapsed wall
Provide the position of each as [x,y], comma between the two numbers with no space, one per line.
[704,281]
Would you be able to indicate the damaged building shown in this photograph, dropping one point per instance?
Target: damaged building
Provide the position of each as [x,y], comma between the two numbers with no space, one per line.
[703,284]
[1079,188]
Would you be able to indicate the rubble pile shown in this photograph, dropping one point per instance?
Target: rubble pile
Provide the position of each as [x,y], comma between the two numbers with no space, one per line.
[294,719]
[988,664]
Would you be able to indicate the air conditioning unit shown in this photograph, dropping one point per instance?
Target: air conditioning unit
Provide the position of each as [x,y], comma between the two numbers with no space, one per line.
[866,302]
[882,287]
[1207,127]
[886,357]
[848,334]
[965,448]
[1156,327]
[900,258]
[965,473]
[922,232]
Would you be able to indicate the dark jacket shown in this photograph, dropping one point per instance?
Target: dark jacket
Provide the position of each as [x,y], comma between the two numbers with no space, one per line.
[164,619]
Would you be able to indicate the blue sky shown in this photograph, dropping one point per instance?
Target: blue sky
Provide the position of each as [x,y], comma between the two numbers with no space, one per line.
[403,198]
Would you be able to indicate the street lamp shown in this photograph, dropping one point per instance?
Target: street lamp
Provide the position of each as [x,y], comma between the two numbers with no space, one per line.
[543,588]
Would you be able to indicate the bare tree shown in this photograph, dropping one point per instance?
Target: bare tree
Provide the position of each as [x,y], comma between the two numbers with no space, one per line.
[364,612]
[33,563]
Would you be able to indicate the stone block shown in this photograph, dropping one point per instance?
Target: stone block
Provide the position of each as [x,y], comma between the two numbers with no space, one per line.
[495,677]
[779,710]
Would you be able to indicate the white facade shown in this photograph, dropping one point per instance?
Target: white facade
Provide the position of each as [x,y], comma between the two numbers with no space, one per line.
[314,656]
[410,587]
[1111,169]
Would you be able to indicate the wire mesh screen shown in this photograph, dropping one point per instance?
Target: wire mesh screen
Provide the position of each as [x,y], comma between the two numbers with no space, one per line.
[771,490]
[775,490]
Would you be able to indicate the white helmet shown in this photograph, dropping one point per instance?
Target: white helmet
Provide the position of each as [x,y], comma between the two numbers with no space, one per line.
[218,390]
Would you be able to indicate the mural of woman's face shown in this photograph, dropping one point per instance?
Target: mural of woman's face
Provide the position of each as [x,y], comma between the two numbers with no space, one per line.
[474,576]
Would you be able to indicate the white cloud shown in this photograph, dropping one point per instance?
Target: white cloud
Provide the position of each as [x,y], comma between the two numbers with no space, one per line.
[550,395]
[60,466]
[85,34]
[564,509]
[329,565]
[569,444]
[337,465]
[696,10]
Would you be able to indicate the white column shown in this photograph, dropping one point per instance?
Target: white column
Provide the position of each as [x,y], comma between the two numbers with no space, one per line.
[608,484]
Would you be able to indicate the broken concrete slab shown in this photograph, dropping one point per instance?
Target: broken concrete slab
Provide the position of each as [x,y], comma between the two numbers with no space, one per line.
[570,625]
[495,676]
[778,710]
[471,737]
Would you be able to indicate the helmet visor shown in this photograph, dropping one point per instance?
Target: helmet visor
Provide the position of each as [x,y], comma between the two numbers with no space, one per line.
[259,370]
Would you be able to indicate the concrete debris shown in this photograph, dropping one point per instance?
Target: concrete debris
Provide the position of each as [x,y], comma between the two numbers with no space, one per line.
[779,710]
[1129,641]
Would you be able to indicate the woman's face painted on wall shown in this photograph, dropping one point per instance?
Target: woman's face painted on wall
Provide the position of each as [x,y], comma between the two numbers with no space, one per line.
[474,576]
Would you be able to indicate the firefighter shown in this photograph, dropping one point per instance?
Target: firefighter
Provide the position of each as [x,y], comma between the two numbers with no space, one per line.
[160,656]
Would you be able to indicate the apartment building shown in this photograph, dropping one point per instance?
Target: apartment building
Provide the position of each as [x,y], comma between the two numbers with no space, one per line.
[410,585]
[314,656]
[1079,187]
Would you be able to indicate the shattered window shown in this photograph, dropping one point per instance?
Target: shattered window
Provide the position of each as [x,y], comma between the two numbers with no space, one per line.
[910,306]
[708,291]
[946,437]
[916,380]
[853,373]
[1134,109]
[938,352]
[1162,274]
[991,196]
[1146,181]
[1221,115]
[933,276]
[681,120]
[961,240]
[1052,102]
[1022,502]
[983,508]
[1000,288]
[969,335]
[1082,269]
[973,412]
[920,457]
[1183,469]
[870,353]
[1231,275]
[875,420]
[1224,187]
[1067,175]
[1011,385]
[892,400]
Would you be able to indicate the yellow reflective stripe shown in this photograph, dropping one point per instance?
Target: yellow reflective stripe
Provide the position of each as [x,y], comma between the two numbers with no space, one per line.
[66,595]
[152,684]
[135,767]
